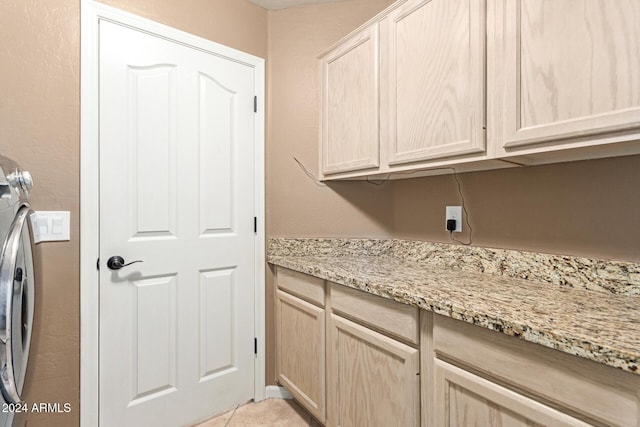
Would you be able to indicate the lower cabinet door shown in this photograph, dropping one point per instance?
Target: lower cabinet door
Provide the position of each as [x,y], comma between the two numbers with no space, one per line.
[373,379]
[300,351]
[465,399]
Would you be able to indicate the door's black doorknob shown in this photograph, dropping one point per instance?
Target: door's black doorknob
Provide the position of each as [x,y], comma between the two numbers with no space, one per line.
[117,262]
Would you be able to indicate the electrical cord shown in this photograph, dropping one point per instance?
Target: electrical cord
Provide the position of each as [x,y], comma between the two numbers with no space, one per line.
[389,175]
[317,182]
[464,207]
[232,414]
[466,214]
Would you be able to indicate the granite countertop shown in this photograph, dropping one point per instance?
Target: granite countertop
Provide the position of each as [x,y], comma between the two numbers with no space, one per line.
[599,326]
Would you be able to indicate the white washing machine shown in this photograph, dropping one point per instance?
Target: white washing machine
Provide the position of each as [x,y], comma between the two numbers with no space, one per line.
[16,284]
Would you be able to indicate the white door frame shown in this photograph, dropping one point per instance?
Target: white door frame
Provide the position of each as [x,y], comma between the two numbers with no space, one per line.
[92,13]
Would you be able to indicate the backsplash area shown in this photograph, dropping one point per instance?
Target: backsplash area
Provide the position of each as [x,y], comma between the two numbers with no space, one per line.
[615,277]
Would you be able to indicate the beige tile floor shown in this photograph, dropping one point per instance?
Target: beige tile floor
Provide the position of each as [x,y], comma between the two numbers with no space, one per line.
[270,412]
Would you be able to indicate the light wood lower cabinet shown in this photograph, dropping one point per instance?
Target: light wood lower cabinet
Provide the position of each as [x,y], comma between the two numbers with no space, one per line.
[373,379]
[465,399]
[300,349]
[367,344]
[482,377]
[353,359]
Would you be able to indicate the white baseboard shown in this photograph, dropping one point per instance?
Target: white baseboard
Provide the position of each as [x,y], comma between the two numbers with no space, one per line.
[276,392]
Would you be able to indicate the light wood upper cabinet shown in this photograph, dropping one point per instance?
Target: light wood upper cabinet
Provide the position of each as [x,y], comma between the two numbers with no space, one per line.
[477,84]
[433,80]
[568,72]
[350,90]
[373,380]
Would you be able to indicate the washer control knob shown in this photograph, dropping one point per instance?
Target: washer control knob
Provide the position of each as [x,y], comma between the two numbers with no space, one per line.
[21,180]
[26,181]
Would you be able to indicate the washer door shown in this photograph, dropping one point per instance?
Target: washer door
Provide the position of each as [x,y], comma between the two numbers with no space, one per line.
[16,306]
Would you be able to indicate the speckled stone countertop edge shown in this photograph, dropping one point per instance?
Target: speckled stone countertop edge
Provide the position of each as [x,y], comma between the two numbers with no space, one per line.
[607,276]
[575,345]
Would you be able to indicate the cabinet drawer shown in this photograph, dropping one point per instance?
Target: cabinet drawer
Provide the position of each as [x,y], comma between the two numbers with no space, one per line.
[392,317]
[599,393]
[306,287]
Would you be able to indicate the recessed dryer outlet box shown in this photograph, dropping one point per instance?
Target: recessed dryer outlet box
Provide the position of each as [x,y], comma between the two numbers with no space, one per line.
[454,212]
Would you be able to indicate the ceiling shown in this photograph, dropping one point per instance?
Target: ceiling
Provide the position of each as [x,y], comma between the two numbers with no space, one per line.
[281,4]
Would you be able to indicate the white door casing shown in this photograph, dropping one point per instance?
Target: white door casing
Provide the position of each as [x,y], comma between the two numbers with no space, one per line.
[177,330]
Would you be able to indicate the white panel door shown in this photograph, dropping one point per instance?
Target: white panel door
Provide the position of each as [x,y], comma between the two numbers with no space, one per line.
[177,192]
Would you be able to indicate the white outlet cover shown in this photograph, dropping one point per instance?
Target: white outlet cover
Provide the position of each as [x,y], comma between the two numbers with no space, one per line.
[454,212]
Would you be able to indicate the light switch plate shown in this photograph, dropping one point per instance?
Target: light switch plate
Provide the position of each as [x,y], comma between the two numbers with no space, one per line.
[51,226]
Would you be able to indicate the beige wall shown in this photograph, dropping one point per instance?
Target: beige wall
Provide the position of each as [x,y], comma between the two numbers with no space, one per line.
[589,208]
[564,208]
[235,23]
[586,208]
[295,205]
[39,128]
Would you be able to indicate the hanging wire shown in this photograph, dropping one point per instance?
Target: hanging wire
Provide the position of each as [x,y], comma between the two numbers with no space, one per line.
[315,180]
[384,180]
[455,176]
[466,214]
[388,177]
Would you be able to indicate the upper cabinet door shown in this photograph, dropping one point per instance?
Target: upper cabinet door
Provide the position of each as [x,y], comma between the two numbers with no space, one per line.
[433,79]
[350,92]
[572,70]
